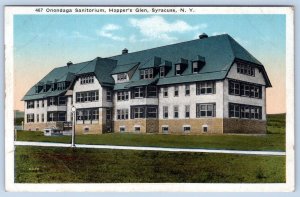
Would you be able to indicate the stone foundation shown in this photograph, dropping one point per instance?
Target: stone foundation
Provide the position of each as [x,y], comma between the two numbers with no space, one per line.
[145,125]
[175,126]
[244,126]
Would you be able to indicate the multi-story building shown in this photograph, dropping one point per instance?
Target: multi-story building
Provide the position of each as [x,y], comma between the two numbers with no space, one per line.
[207,85]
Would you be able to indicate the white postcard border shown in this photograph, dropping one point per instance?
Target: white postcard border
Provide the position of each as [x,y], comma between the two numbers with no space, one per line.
[10,11]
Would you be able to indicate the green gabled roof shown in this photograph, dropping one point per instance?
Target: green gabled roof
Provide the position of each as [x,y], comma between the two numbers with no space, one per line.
[120,86]
[100,67]
[219,53]
[191,78]
[124,68]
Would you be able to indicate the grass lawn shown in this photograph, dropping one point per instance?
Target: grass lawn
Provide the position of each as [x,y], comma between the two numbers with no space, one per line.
[57,165]
[235,142]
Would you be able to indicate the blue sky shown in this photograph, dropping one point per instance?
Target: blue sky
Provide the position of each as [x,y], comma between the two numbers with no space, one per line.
[42,42]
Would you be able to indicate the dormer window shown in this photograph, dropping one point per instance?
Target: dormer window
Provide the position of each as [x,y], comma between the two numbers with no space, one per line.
[61,86]
[162,71]
[86,80]
[146,73]
[245,69]
[196,67]
[45,88]
[122,77]
[53,86]
[178,69]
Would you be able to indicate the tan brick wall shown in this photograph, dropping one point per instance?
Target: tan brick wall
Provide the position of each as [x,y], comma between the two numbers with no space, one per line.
[215,125]
[92,128]
[42,126]
[232,125]
[152,126]
[129,125]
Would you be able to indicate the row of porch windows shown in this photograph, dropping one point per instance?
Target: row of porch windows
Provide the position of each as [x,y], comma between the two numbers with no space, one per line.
[245,89]
[50,101]
[51,117]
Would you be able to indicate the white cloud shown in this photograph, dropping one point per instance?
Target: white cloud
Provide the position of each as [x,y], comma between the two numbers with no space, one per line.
[107,32]
[156,27]
[78,35]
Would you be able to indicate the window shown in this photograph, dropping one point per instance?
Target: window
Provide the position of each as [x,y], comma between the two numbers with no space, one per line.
[146,73]
[95,114]
[165,112]
[176,113]
[151,112]
[37,118]
[43,104]
[186,128]
[196,67]
[37,104]
[165,92]
[187,111]
[121,77]
[122,114]
[176,91]
[43,118]
[61,116]
[138,112]
[165,129]
[62,100]
[30,118]
[206,88]
[53,86]
[151,91]
[45,88]
[61,86]
[205,110]
[108,95]
[94,95]
[143,111]
[122,129]
[138,92]
[162,71]
[142,74]
[245,111]
[108,114]
[245,89]
[245,69]
[87,116]
[52,101]
[30,104]
[79,115]
[90,96]
[178,70]
[187,90]
[86,80]
[205,128]
[52,116]
[234,88]
[86,129]
[122,96]
[234,110]
[79,97]
[137,129]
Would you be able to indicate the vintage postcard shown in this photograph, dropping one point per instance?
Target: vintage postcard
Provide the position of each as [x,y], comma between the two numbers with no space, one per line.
[149,98]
